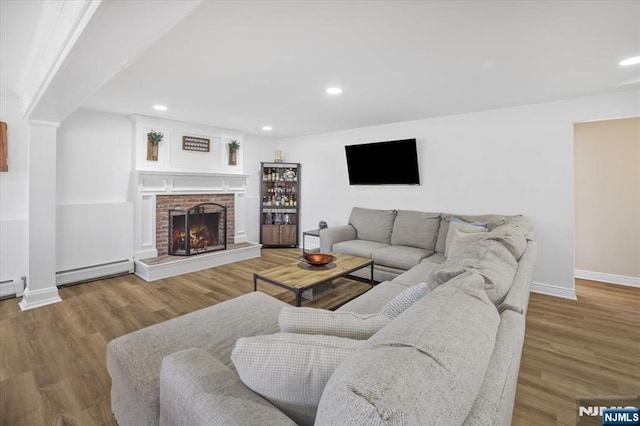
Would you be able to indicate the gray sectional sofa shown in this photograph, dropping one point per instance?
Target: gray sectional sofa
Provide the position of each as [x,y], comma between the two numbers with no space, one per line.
[451,358]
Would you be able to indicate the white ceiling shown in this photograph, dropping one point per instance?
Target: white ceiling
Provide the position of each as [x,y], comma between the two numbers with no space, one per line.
[244,64]
[18,20]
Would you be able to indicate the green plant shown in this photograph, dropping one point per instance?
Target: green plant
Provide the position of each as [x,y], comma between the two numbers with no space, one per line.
[234,146]
[155,137]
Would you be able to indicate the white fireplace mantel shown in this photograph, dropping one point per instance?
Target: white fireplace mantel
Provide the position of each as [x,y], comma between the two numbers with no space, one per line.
[146,185]
[156,182]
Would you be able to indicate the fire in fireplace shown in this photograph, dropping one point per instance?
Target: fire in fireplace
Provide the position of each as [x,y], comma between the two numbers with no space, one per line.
[200,229]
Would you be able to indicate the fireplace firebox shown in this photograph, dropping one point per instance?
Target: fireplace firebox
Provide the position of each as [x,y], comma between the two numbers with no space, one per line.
[200,229]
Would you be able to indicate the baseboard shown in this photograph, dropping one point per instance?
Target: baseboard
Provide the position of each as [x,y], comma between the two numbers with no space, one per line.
[145,254]
[607,278]
[94,272]
[37,298]
[553,290]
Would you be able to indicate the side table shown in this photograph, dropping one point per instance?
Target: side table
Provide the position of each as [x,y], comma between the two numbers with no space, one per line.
[312,233]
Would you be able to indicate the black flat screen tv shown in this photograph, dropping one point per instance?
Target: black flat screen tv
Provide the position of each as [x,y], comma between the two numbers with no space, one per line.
[383,163]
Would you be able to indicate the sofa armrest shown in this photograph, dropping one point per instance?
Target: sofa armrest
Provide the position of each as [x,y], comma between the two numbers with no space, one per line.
[336,234]
[197,389]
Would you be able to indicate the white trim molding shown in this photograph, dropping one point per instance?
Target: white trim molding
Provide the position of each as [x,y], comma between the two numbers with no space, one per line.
[41,297]
[60,25]
[146,185]
[554,290]
[608,278]
[190,264]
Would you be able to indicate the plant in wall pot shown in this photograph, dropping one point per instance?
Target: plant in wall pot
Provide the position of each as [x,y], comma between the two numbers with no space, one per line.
[234,146]
[153,139]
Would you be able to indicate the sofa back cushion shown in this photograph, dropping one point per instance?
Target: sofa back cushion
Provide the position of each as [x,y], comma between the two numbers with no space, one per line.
[511,237]
[492,220]
[416,229]
[373,225]
[291,370]
[490,259]
[427,364]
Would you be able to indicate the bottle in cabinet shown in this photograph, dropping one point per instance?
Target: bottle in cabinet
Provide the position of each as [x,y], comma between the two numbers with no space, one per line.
[280,204]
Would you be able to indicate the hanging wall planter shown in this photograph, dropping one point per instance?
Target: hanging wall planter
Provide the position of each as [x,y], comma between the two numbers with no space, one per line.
[234,146]
[153,139]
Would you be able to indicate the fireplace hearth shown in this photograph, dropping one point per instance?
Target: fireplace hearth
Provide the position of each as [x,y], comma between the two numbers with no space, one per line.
[199,229]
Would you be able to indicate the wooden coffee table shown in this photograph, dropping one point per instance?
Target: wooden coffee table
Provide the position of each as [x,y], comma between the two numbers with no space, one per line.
[300,276]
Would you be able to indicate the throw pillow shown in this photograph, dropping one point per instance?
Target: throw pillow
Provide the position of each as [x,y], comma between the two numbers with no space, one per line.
[404,300]
[291,370]
[322,321]
[457,224]
[461,240]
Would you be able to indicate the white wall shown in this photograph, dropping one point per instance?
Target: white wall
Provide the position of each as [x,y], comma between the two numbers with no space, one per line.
[94,216]
[94,158]
[171,155]
[256,150]
[507,161]
[13,194]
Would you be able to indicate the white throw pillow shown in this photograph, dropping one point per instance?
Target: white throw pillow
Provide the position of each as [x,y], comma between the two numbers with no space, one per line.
[462,227]
[461,240]
[322,321]
[291,370]
[404,300]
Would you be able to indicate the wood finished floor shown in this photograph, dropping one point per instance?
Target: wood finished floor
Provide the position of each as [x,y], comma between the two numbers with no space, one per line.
[52,359]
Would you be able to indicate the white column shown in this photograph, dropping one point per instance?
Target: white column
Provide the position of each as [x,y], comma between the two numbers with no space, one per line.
[41,252]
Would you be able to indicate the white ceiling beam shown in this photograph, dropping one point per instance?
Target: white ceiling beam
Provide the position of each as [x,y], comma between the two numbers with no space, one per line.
[79,46]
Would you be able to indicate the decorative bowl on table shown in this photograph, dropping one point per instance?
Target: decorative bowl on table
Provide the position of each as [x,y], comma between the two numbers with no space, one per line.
[318,259]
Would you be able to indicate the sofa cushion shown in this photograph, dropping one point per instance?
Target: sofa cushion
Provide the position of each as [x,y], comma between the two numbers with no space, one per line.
[291,370]
[465,227]
[511,237]
[494,402]
[404,300]
[362,248]
[392,378]
[490,258]
[134,360]
[197,389]
[400,257]
[416,229]
[461,240]
[321,321]
[417,274]
[492,220]
[373,225]
[373,300]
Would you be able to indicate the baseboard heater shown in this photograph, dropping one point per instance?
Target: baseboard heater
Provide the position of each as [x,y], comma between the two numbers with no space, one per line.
[94,272]
[12,288]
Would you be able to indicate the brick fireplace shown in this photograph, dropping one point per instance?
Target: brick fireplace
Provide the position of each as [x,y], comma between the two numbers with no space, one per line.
[155,193]
[166,202]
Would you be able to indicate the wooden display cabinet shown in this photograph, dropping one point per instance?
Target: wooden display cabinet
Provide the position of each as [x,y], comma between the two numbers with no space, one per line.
[280,204]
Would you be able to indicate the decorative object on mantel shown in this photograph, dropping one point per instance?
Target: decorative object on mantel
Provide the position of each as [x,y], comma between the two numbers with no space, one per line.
[153,139]
[234,146]
[4,164]
[190,143]
[277,158]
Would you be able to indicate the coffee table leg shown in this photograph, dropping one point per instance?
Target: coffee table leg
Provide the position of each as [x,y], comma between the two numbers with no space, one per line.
[255,282]
[298,298]
[372,282]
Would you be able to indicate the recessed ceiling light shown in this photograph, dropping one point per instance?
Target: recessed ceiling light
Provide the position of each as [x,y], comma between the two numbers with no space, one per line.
[334,90]
[160,107]
[630,61]
[267,128]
